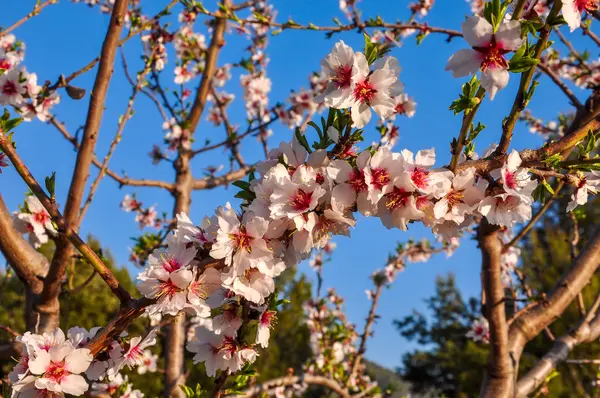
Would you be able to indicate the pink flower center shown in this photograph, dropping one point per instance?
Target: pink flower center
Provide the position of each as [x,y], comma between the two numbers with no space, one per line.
[343,76]
[171,264]
[420,177]
[586,5]
[379,178]
[41,217]
[4,64]
[357,180]
[301,200]
[364,92]
[9,88]
[493,56]
[400,109]
[510,180]
[320,178]
[229,345]
[267,318]
[397,199]
[135,353]
[168,289]
[56,371]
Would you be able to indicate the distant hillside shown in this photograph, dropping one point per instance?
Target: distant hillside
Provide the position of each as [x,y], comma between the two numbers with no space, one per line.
[386,377]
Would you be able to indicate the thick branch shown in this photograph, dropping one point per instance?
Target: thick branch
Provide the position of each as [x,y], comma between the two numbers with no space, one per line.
[588,330]
[500,370]
[534,319]
[63,229]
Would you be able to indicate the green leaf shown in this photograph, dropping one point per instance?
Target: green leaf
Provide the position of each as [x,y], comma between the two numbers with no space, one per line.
[522,64]
[547,186]
[242,185]
[302,140]
[51,184]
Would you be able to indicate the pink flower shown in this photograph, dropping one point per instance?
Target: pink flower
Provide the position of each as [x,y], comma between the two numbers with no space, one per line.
[487,52]
[266,321]
[337,67]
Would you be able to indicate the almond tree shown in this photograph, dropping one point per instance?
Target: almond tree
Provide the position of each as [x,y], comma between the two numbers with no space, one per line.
[221,272]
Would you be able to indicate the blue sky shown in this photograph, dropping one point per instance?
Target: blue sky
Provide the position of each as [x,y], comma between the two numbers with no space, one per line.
[67,36]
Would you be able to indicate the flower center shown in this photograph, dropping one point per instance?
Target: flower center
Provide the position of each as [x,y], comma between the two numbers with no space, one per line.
[586,5]
[41,217]
[400,109]
[170,263]
[5,64]
[420,177]
[343,76]
[241,240]
[9,88]
[379,178]
[493,56]
[136,354]
[364,92]
[168,289]
[267,318]
[301,200]
[357,180]
[56,371]
[397,199]
[455,197]
[511,180]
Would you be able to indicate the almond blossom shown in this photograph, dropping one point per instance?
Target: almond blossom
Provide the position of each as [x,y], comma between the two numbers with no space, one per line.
[590,183]
[572,10]
[487,52]
[480,331]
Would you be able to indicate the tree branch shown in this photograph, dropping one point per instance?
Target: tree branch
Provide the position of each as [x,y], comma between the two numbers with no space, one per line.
[64,229]
[499,378]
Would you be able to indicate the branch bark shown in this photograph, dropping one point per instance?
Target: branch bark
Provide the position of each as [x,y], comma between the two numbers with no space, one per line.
[534,319]
[500,372]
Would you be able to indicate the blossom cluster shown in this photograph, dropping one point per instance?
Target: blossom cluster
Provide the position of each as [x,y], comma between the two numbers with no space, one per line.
[52,364]
[145,217]
[19,88]
[33,219]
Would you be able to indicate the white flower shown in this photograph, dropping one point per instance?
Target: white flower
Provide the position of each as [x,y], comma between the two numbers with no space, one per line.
[240,242]
[464,196]
[590,183]
[206,346]
[505,210]
[135,354]
[371,90]
[516,180]
[421,177]
[148,363]
[480,331]
[296,195]
[487,52]
[266,321]
[572,10]
[11,88]
[338,68]
[59,369]
[200,289]
[170,289]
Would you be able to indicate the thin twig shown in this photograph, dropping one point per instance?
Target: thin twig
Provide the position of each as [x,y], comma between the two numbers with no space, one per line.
[36,10]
